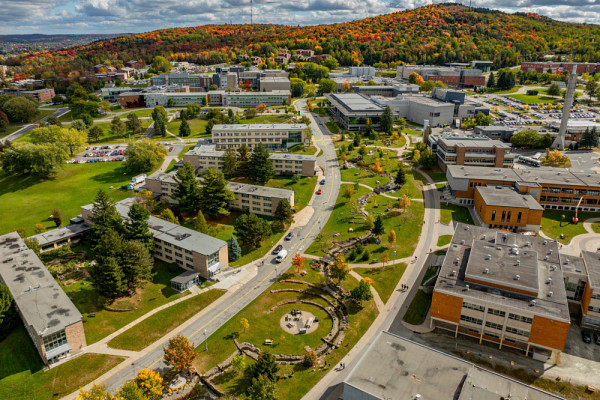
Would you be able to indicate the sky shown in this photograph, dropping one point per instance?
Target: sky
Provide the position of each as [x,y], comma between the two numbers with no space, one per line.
[133,16]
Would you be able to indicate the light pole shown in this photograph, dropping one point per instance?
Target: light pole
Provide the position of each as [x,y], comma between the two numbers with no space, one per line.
[394,259]
[205,341]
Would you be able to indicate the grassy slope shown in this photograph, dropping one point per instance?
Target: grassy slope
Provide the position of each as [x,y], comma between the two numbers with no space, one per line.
[451,212]
[416,312]
[385,279]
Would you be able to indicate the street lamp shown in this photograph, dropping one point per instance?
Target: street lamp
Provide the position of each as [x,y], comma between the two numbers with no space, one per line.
[205,341]
[394,259]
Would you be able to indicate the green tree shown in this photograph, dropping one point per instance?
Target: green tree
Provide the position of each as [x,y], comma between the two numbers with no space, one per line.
[168,215]
[251,230]
[589,138]
[554,90]
[133,123]
[72,139]
[386,122]
[233,248]
[491,83]
[105,217]
[87,119]
[284,212]
[427,86]
[591,88]
[506,79]
[131,391]
[95,133]
[361,292]
[8,312]
[266,365]
[327,85]
[160,64]
[187,192]
[20,109]
[117,127]
[143,156]
[200,224]
[192,110]
[262,388]
[57,217]
[137,226]
[238,363]
[107,277]
[137,264]
[159,110]
[78,125]
[160,127]
[400,176]
[297,87]
[184,128]
[378,228]
[215,196]
[230,164]
[428,159]
[261,166]
[331,63]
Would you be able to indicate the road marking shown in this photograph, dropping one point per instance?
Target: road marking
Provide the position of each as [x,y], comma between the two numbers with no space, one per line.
[259,283]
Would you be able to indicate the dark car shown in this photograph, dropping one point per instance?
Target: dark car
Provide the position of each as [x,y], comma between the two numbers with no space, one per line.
[596,338]
[277,249]
[290,235]
[586,337]
[323,181]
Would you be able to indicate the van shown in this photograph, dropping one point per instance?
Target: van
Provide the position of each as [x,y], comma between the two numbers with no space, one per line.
[281,256]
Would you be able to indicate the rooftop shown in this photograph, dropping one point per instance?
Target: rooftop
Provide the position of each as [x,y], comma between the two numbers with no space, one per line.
[507,196]
[354,102]
[394,368]
[258,127]
[456,139]
[64,232]
[592,263]
[245,188]
[43,304]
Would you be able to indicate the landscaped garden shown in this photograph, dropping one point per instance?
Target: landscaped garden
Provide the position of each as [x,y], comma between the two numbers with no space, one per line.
[413,187]
[557,227]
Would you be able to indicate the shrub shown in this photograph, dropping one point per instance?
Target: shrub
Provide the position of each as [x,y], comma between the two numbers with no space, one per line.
[366,255]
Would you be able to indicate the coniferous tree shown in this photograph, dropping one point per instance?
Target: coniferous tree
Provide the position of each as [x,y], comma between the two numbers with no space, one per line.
[215,196]
[261,166]
[184,128]
[284,212]
[491,83]
[200,223]
[378,227]
[187,192]
[400,177]
[137,226]
[251,230]
[104,216]
[137,264]
[233,248]
[230,164]
[386,123]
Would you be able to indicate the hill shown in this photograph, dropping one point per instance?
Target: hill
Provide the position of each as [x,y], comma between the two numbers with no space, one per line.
[434,34]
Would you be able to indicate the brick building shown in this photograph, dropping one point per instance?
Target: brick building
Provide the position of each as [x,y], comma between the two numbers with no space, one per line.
[543,66]
[450,76]
[41,95]
[272,136]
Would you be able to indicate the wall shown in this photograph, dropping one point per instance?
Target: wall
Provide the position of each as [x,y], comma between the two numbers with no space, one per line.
[446,307]
[549,333]
[75,336]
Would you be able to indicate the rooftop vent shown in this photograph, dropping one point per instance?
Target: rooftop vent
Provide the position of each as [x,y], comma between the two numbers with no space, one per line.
[545,242]
[550,294]
[518,262]
[453,273]
[488,257]
[457,260]
[467,288]
[548,281]
[553,268]
[483,237]
[532,303]
[588,175]
[486,271]
[550,251]
[567,261]
[462,241]
[467,228]
[517,277]
[558,173]
[546,258]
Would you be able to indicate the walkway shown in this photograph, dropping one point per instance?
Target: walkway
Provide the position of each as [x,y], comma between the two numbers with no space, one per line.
[378,302]
[587,241]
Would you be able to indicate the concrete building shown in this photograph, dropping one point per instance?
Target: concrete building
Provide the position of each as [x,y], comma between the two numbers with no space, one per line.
[464,149]
[271,83]
[554,189]
[3,70]
[182,79]
[484,66]
[113,94]
[253,99]
[260,200]
[504,288]
[386,91]
[190,249]
[41,95]
[543,66]
[251,79]
[502,207]
[590,299]
[450,76]
[272,136]
[352,110]
[205,156]
[135,64]
[503,133]
[50,318]
[218,97]
[395,368]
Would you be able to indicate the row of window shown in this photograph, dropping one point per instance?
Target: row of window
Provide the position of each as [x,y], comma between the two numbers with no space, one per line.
[584,192]
[568,200]
[278,140]
[55,340]
[506,216]
[499,313]
[217,134]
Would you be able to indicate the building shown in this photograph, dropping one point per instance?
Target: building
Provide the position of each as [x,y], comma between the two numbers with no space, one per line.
[557,66]
[183,95]
[182,79]
[253,99]
[113,94]
[64,235]
[283,57]
[555,189]
[135,64]
[272,136]
[190,249]
[352,110]
[450,76]
[271,83]
[251,79]
[128,71]
[260,200]
[41,95]
[465,149]
[503,133]
[395,368]
[504,288]
[502,207]
[305,55]
[590,298]
[3,70]
[50,318]
[386,91]
[205,156]
[484,66]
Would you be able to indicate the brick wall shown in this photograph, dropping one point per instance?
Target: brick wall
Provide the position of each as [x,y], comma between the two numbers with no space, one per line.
[76,336]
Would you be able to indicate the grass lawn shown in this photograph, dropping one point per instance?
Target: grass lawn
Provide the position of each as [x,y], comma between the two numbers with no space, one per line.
[265,325]
[385,278]
[454,212]
[431,271]
[413,187]
[444,240]
[596,227]
[15,126]
[301,149]
[332,126]
[267,119]
[22,376]
[407,226]
[152,295]
[163,322]
[171,166]
[436,174]
[365,177]
[554,226]
[417,311]
[73,186]
[509,91]
[197,125]
[401,142]
[534,99]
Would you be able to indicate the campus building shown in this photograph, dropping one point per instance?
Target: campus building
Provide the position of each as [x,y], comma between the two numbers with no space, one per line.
[497,132]
[190,249]
[271,83]
[465,149]
[41,95]
[504,288]
[558,66]
[184,96]
[113,94]
[272,136]
[251,79]
[555,189]
[205,156]
[351,110]
[456,76]
[50,318]
[182,79]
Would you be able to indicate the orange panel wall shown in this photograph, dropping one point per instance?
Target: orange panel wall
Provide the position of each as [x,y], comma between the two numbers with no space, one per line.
[446,307]
[549,333]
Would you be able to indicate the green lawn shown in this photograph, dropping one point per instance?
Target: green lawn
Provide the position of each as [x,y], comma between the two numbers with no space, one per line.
[365,177]
[454,212]
[444,240]
[163,322]
[73,186]
[413,187]
[407,226]
[385,278]
[431,271]
[534,99]
[436,174]
[301,149]
[414,132]
[509,91]
[417,311]
[22,376]
[197,125]
[15,126]
[154,294]
[554,226]
[264,325]
[332,126]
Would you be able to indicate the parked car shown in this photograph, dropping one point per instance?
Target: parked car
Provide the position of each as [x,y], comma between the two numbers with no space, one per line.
[596,338]
[586,337]
[289,236]
[277,249]
[323,181]
[319,191]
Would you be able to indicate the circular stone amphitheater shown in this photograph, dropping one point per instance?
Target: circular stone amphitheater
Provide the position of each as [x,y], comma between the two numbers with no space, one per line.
[299,322]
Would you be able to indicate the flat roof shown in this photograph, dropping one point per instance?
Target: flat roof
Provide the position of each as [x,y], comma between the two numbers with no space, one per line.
[534,252]
[257,127]
[64,232]
[395,368]
[592,264]
[43,304]
[278,92]
[246,188]
[282,79]
[354,102]
[507,196]
[210,150]
[462,140]
[292,156]
[185,277]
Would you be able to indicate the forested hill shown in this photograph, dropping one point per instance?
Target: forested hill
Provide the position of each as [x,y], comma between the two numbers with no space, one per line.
[435,34]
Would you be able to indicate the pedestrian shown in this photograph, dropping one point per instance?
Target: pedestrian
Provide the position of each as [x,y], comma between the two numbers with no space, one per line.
[341,365]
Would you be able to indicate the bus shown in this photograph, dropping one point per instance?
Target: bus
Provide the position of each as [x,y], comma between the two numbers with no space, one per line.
[529,161]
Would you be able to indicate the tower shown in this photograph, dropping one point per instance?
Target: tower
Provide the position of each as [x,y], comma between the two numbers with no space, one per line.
[559,142]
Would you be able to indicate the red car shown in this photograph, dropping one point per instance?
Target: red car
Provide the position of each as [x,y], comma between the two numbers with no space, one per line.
[319,191]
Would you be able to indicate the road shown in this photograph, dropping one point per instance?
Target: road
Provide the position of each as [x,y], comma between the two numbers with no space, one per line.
[17,134]
[217,316]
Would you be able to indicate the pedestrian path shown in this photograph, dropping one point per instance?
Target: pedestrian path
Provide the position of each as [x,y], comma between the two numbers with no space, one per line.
[378,302]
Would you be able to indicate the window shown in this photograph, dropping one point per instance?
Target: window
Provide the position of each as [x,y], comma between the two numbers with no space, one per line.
[499,313]
[472,306]
[493,215]
[472,320]
[55,340]
[213,258]
[519,217]
[520,318]
[516,331]
[493,325]
[594,309]
[503,216]
[508,216]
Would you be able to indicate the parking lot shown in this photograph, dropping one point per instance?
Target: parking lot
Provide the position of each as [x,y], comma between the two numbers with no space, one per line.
[111,153]
[575,345]
[581,161]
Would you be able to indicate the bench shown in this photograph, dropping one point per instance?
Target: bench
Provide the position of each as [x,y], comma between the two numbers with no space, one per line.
[269,341]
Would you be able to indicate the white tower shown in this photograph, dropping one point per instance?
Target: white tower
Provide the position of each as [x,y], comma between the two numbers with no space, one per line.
[559,142]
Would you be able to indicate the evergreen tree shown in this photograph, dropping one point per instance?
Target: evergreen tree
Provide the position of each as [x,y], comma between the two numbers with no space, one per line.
[160,128]
[251,230]
[589,138]
[137,226]
[261,166]
[284,212]
[262,388]
[168,215]
[104,216]
[8,312]
[491,83]
[266,365]
[233,248]
[243,164]
[400,176]
[368,127]
[230,164]
[378,227]
[214,195]
[108,277]
[187,192]
[136,264]
[386,122]
[184,128]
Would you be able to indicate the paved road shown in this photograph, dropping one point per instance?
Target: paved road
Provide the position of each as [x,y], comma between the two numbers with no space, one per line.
[266,275]
[17,134]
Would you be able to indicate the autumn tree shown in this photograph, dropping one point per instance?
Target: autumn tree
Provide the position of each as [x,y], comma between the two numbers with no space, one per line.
[348,191]
[179,353]
[310,359]
[385,257]
[97,392]
[150,382]
[339,268]
[57,217]
[415,79]
[244,324]
[404,202]
[298,262]
[392,237]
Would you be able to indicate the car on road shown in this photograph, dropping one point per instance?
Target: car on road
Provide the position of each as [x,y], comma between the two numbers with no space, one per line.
[323,181]
[586,337]
[596,338]
[319,191]
[289,236]
[277,249]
